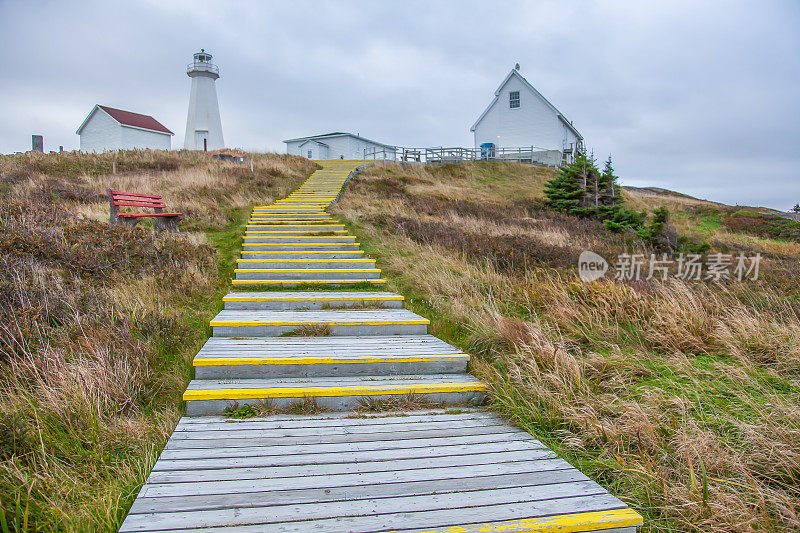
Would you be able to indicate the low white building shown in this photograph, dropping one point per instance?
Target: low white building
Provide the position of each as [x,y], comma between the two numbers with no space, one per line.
[339,145]
[106,128]
[520,117]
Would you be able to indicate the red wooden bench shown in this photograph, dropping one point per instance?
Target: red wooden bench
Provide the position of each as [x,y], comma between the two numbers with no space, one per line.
[163,221]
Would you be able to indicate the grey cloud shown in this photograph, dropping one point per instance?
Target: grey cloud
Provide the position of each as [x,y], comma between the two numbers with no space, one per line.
[701,97]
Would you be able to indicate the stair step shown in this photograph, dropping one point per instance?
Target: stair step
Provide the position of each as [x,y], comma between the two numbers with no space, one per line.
[295,227]
[306,273]
[317,247]
[313,254]
[211,397]
[234,323]
[273,357]
[290,283]
[306,263]
[317,300]
[300,239]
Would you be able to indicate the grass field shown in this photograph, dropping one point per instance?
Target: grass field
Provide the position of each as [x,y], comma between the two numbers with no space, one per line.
[98,324]
[682,398]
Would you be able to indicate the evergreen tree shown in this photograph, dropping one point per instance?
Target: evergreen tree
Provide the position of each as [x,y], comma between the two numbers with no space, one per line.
[796,208]
[566,191]
[610,193]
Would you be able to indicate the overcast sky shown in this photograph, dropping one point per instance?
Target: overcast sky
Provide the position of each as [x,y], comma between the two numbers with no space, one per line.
[699,97]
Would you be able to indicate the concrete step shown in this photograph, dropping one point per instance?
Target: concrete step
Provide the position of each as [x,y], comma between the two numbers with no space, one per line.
[306,273]
[231,323]
[280,255]
[307,301]
[314,247]
[313,282]
[211,397]
[273,357]
[307,263]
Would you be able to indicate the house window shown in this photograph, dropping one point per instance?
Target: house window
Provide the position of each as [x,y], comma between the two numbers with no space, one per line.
[513,99]
[309,154]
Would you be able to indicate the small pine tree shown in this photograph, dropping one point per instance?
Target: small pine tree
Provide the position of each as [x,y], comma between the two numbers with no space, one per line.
[796,208]
[566,191]
[609,188]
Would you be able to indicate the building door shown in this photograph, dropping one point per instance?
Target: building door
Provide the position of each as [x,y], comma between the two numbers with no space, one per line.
[201,140]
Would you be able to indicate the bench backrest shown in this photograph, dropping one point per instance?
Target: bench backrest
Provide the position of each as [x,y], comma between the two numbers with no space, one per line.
[117,199]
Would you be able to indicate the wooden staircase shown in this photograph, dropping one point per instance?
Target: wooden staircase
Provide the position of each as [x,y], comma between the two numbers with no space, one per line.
[310,335]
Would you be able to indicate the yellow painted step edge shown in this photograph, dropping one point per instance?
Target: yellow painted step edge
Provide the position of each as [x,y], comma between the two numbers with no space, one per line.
[306,270]
[306,261]
[304,282]
[566,523]
[235,361]
[298,244]
[240,323]
[356,390]
[314,299]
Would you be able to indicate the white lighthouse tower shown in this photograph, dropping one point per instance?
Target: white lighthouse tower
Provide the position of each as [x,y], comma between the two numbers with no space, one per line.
[203,126]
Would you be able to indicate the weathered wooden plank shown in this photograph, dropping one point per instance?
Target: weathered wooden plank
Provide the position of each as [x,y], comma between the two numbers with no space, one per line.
[255,431]
[219,423]
[328,468]
[153,490]
[437,517]
[345,447]
[453,501]
[261,461]
[331,439]
[190,502]
[173,444]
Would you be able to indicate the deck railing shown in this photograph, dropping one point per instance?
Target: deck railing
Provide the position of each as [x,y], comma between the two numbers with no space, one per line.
[438,155]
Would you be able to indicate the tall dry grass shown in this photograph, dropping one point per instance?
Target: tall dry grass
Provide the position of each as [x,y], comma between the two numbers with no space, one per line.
[98,324]
[682,398]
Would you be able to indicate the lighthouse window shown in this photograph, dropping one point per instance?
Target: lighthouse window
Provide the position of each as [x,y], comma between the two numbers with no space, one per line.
[513,99]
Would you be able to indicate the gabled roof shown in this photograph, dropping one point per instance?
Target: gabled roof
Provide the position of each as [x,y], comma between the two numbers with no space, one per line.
[515,72]
[337,134]
[315,142]
[129,119]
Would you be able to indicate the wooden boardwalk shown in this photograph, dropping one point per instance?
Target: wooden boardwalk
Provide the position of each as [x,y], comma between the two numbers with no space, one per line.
[438,471]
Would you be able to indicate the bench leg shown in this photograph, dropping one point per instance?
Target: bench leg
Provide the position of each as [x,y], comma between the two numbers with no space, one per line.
[172,224]
[129,222]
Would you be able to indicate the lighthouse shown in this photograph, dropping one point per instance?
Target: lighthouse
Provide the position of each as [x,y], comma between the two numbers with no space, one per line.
[203,125]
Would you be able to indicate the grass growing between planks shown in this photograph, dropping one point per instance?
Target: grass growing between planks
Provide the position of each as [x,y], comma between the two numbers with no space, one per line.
[98,324]
[683,399]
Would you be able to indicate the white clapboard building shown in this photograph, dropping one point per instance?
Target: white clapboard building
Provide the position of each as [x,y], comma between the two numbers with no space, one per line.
[106,128]
[520,117]
[339,145]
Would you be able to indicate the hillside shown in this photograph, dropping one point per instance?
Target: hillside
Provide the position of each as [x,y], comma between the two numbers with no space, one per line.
[681,397]
[98,324]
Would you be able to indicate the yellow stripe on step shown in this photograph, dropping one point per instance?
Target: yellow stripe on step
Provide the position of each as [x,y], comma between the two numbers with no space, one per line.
[306,261]
[234,361]
[566,523]
[240,323]
[309,270]
[356,390]
[298,244]
[313,299]
[304,282]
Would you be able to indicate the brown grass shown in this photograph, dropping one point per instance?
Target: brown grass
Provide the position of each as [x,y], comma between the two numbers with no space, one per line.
[98,324]
[682,398]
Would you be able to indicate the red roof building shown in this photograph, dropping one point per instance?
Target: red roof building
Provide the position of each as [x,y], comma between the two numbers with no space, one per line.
[107,128]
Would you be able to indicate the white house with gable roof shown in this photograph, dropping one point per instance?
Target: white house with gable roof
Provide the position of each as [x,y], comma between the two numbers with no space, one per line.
[107,128]
[338,145]
[519,116]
